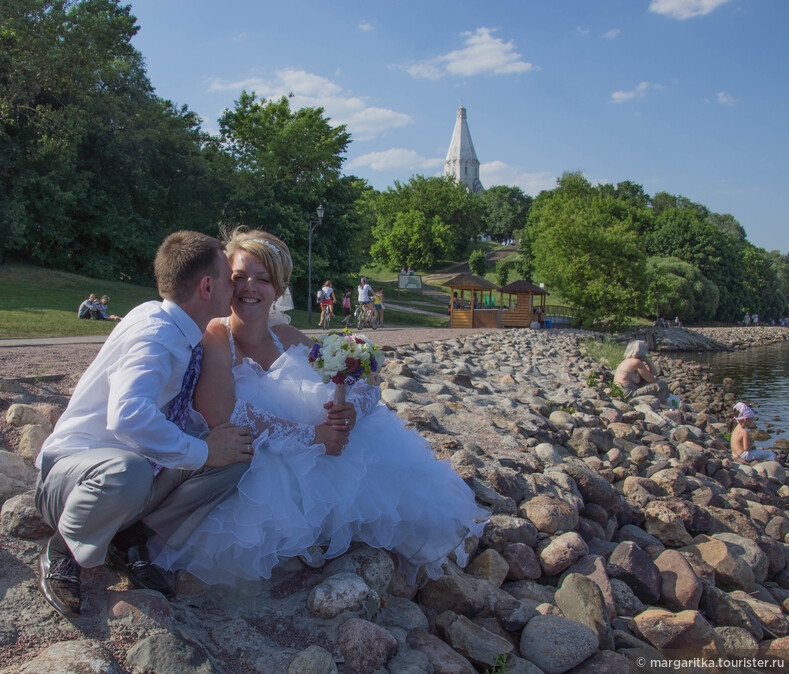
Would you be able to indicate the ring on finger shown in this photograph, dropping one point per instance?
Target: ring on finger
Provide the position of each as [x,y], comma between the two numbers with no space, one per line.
[346,422]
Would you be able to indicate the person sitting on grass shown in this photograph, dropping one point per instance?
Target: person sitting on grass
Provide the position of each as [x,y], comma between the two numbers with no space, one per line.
[101,310]
[637,375]
[741,442]
[86,308]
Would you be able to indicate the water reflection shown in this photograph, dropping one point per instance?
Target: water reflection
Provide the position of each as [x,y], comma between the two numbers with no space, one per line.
[762,377]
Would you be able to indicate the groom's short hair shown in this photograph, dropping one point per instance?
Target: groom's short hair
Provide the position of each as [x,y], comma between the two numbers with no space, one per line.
[182,260]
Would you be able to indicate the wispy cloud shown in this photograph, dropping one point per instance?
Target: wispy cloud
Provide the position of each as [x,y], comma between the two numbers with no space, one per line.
[581,31]
[240,37]
[639,92]
[726,99]
[483,54]
[366,27]
[612,34]
[684,9]
[499,173]
[395,159]
[364,121]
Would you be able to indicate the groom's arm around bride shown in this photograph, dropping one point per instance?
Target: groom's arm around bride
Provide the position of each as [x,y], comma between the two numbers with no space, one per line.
[118,459]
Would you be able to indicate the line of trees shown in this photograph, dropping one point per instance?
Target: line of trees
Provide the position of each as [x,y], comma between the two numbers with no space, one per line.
[614,252]
[95,169]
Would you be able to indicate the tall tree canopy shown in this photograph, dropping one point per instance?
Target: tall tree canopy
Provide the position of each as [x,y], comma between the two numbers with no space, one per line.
[583,247]
[94,168]
[285,163]
[506,210]
[453,216]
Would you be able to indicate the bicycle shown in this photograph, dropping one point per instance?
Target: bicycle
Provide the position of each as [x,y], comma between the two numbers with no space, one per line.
[365,315]
[326,316]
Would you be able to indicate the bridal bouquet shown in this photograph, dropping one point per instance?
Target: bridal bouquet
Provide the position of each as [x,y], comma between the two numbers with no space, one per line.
[345,358]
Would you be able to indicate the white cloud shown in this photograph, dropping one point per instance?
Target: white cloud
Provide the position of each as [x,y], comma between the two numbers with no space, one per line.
[240,37]
[309,90]
[639,92]
[581,31]
[394,159]
[684,9]
[499,173]
[482,54]
[726,99]
[612,34]
[366,27]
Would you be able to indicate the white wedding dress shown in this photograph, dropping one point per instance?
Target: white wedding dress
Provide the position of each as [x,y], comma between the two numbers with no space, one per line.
[385,489]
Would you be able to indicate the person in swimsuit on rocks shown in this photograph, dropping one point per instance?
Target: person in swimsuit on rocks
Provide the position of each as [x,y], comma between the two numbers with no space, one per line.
[741,443]
[637,375]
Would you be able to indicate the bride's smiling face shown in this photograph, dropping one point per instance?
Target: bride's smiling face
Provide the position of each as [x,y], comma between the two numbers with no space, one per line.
[253,291]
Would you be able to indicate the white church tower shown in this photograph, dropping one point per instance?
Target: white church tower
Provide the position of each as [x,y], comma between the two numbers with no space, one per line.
[461,160]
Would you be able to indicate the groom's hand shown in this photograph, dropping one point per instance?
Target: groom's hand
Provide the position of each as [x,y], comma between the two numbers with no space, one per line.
[228,444]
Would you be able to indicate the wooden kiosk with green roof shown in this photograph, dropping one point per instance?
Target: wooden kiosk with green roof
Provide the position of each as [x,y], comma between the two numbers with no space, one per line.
[524,310]
[468,287]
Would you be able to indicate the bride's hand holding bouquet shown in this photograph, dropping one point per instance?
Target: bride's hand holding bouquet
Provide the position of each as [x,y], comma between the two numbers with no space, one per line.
[345,358]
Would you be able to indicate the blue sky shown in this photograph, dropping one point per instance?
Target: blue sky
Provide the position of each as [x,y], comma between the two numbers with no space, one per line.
[686,96]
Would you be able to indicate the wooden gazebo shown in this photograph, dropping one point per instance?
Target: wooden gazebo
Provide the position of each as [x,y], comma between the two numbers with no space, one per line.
[528,307]
[477,303]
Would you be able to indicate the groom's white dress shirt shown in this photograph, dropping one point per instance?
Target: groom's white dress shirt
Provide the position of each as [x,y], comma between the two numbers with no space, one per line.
[122,398]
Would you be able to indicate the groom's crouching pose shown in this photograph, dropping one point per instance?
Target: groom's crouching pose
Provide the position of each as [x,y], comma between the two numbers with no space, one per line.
[118,467]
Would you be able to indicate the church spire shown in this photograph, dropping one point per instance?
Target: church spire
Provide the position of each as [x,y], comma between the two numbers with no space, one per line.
[461,161]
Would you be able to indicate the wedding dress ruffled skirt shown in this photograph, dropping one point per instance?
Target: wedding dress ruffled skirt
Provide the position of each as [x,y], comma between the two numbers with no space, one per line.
[385,490]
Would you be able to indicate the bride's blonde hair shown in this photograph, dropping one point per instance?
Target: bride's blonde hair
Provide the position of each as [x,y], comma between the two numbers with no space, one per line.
[272,252]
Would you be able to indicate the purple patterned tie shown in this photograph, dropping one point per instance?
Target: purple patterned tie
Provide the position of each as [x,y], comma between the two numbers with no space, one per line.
[178,412]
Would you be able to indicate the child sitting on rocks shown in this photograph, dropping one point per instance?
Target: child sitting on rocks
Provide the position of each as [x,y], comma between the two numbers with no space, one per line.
[741,443]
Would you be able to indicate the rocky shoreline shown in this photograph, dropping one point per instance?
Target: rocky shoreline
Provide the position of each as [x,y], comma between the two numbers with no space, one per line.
[710,339]
[620,532]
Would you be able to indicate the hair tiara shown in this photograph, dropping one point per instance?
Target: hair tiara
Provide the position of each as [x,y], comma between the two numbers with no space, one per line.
[267,244]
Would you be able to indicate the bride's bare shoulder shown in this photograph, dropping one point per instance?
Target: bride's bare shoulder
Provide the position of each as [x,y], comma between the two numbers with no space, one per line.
[289,336]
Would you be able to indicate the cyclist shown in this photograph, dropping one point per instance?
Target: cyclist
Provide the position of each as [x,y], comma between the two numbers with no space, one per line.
[327,298]
[365,298]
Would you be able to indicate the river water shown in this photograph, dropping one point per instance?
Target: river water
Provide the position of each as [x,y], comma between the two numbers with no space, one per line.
[762,378]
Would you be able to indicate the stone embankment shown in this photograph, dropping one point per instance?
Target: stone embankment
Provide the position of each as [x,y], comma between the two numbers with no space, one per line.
[716,339]
[618,531]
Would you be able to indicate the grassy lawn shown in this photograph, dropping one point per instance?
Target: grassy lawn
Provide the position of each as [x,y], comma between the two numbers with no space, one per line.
[604,351]
[37,302]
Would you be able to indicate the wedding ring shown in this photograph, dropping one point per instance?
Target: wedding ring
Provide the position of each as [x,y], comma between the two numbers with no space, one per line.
[346,422]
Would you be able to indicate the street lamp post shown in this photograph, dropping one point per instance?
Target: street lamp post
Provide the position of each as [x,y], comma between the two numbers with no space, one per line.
[311,225]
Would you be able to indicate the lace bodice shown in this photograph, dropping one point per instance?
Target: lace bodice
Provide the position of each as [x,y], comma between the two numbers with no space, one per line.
[259,421]
[250,412]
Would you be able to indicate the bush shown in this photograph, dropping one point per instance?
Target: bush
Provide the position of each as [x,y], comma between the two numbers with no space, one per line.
[476,263]
[502,273]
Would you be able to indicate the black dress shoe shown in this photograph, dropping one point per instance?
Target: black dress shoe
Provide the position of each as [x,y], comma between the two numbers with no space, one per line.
[137,567]
[58,581]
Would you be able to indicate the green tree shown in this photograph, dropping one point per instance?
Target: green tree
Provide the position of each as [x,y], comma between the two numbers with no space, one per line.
[94,168]
[686,233]
[762,287]
[411,240]
[437,199]
[502,273]
[476,263]
[285,163]
[506,210]
[677,288]
[585,251]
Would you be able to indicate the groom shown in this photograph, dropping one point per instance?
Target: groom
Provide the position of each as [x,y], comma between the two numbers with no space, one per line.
[118,467]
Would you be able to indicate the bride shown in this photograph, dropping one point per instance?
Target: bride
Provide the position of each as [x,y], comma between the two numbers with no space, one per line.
[323,474]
